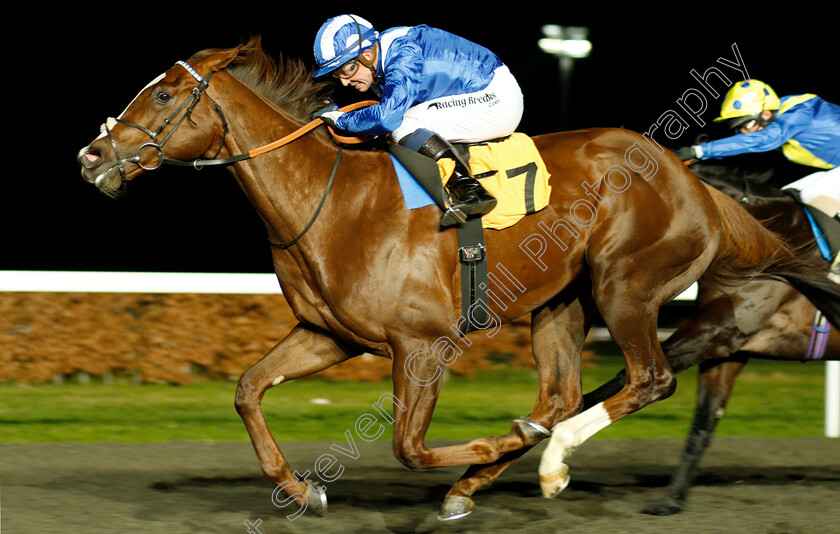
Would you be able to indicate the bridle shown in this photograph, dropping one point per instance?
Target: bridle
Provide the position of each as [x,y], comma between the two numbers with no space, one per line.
[184,112]
[178,116]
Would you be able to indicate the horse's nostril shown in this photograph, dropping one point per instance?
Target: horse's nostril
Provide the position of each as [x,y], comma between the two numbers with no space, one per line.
[89,158]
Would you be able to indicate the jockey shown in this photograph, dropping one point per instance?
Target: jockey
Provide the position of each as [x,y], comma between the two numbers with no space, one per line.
[805,127]
[434,88]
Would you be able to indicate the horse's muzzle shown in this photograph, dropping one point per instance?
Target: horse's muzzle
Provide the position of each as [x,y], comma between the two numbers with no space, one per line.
[90,160]
[96,171]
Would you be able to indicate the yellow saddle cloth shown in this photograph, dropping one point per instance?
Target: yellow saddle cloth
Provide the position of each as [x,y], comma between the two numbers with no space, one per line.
[512,171]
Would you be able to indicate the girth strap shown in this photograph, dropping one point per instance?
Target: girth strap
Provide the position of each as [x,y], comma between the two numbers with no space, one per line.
[472,254]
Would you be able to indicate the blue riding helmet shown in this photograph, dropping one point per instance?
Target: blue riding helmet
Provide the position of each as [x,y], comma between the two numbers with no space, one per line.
[340,40]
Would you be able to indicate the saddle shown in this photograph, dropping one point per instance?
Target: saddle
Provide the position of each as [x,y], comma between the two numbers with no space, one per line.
[511,170]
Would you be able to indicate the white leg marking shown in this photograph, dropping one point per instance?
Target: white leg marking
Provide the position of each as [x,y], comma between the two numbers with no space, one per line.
[278,380]
[569,434]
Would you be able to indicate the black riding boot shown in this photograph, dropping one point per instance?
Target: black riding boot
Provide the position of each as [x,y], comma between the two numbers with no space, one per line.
[470,198]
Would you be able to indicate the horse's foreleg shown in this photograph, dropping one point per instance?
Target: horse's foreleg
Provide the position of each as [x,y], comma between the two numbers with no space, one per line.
[714,386]
[417,381]
[558,331]
[724,323]
[301,353]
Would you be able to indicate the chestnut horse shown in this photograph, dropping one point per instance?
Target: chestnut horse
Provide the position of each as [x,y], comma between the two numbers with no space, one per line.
[628,228]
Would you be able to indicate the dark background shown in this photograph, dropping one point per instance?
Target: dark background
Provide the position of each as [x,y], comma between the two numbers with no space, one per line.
[63,80]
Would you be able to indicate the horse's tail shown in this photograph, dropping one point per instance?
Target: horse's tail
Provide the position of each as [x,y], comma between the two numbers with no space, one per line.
[748,250]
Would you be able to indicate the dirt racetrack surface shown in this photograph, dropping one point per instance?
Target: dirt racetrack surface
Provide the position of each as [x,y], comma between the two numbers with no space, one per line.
[746,485]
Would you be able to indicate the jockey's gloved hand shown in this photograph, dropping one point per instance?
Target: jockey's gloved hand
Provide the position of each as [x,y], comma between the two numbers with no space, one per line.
[689,153]
[329,114]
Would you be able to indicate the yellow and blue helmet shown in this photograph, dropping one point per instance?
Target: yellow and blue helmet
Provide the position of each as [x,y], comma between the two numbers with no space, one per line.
[745,101]
[340,40]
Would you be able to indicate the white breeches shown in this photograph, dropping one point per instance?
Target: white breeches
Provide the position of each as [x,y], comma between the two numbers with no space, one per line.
[823,183]
[487,114]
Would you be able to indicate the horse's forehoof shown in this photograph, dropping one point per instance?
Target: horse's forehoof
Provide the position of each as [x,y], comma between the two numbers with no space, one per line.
[554,483]
[666,505]
[455,507]
[316,497]
[531,431]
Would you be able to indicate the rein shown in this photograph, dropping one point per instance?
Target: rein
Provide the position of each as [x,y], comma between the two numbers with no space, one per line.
[287,244]
[300,132]
[187,107]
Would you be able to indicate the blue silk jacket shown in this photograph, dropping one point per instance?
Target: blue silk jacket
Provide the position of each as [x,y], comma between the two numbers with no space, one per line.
[417,64]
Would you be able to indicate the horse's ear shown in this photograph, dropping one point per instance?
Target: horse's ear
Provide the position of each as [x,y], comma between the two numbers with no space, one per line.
[219,59]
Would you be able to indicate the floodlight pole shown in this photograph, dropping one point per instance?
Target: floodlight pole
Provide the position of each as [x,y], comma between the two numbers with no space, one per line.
[566,43]
[566,64]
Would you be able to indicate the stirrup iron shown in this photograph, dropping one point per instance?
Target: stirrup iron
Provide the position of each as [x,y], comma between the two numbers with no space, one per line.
[452,216]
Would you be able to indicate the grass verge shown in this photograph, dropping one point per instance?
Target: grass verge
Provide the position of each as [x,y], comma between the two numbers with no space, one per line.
[771,399]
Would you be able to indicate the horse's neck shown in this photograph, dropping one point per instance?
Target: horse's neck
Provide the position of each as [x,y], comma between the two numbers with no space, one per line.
[363,215]
[285,185]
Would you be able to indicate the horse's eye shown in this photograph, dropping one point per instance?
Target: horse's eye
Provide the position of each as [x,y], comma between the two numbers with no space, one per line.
[163,97]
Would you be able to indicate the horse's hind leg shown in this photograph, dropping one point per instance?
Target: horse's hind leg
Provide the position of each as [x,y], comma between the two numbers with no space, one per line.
[718,329]
[629,288]
[301,353]
[711,333]
[649,378]
[714,386]
[558,331]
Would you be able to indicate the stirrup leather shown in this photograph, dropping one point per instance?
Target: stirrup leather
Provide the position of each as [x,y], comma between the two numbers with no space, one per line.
[461,184]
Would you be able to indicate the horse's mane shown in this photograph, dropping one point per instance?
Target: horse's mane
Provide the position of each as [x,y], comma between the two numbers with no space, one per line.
[286,82]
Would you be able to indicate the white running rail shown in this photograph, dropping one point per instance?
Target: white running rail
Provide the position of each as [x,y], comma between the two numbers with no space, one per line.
[261,283]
